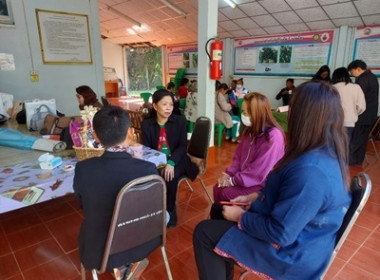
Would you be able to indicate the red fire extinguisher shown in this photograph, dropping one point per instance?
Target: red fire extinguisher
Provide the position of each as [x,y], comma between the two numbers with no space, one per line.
[215,58]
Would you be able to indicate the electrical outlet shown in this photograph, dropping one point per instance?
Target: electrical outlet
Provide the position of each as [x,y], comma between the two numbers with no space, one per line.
[34,76]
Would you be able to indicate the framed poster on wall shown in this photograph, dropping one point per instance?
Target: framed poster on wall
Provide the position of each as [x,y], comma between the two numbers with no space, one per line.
[183,56]
[289,54]
[367,47]
[64,37]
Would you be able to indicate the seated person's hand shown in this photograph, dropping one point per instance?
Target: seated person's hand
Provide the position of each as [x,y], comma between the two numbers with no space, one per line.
[223,180]
[233,213]
[168,172]
[250,198]
[10,112]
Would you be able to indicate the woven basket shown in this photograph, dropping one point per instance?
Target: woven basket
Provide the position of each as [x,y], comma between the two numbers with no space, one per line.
[85,153]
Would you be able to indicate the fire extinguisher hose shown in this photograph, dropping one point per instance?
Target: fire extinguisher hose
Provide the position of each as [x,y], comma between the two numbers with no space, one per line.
[208,41]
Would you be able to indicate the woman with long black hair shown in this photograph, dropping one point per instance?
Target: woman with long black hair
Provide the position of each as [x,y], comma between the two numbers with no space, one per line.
[289,229]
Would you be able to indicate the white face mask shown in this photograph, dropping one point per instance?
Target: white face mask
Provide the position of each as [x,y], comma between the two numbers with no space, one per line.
[239,86]
[246,120]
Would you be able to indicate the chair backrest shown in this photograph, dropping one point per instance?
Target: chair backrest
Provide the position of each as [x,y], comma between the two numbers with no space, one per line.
[137,118]
[145,96]
[182,103]
[139,216]
[104,101]
[360,189]
[240,105]
[375,131]
[200,139]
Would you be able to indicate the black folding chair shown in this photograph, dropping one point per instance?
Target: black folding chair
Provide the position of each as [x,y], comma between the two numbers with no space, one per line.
[104,101]
[139,217]
[374,135]
[361,187]
[198,148]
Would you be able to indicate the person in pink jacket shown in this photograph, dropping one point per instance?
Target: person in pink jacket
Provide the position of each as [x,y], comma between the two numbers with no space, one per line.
[262,145]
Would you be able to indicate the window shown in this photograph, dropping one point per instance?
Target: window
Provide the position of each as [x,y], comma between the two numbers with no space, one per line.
[144,69]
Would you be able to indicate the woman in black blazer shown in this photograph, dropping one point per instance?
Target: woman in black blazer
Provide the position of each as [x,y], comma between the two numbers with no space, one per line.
[167,133]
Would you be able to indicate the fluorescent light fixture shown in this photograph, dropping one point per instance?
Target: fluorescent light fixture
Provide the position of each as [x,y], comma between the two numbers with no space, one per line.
[174,7]
[142,28]
[231,3]
[116,12]
[131,31]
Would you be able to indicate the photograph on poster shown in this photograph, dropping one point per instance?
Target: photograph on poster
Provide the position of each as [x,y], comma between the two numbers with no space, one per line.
[183,56]
[6,16]
[285,54]
[268,55]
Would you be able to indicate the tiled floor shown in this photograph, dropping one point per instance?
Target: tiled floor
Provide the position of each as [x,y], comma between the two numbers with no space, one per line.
[40,242]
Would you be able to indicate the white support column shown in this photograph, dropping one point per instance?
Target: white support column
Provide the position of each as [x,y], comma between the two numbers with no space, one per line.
[207,28]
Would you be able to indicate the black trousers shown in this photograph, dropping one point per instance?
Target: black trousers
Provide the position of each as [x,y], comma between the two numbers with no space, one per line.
[210,265]
[216,211]
[358,144]
[185,167]
[172,186]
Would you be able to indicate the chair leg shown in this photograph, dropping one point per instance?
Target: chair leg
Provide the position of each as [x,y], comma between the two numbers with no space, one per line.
[82,272]
[374,148]
[166,262]
[219,131]
[94,274]
[188,184]
[204,187]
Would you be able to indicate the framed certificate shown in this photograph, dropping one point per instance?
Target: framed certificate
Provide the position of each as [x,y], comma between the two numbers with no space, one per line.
[64,37]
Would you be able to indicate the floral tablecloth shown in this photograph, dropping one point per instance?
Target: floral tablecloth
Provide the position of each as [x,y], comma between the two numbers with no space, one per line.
[26,183]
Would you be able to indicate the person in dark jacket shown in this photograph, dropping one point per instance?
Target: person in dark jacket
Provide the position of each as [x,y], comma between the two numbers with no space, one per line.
[97,182]
[370,86]
[286,92]
[86,96]
[323,74]
[171,87]
[167,133]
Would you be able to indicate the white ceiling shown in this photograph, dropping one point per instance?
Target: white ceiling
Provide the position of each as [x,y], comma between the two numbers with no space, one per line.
[163,26]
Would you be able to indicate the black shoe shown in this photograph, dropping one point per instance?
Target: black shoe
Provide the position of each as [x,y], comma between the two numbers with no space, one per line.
[173,219]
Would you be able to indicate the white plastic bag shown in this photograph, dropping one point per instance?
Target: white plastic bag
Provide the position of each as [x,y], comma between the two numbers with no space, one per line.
[6,102]
[33,107]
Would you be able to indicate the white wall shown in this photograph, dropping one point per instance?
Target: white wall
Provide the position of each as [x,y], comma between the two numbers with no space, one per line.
[341,55]
[114,56]
[55,81]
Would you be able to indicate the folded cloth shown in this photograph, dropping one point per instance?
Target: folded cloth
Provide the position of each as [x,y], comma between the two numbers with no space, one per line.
[15,139]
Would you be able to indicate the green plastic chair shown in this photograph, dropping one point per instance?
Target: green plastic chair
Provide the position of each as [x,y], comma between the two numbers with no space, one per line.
[145,96]
[219,130]
[240,105]
[190,126]
[182,103]
[180,74]
[160,87]
[282,119]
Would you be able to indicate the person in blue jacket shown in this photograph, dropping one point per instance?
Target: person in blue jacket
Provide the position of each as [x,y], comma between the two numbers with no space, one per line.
[289,229]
